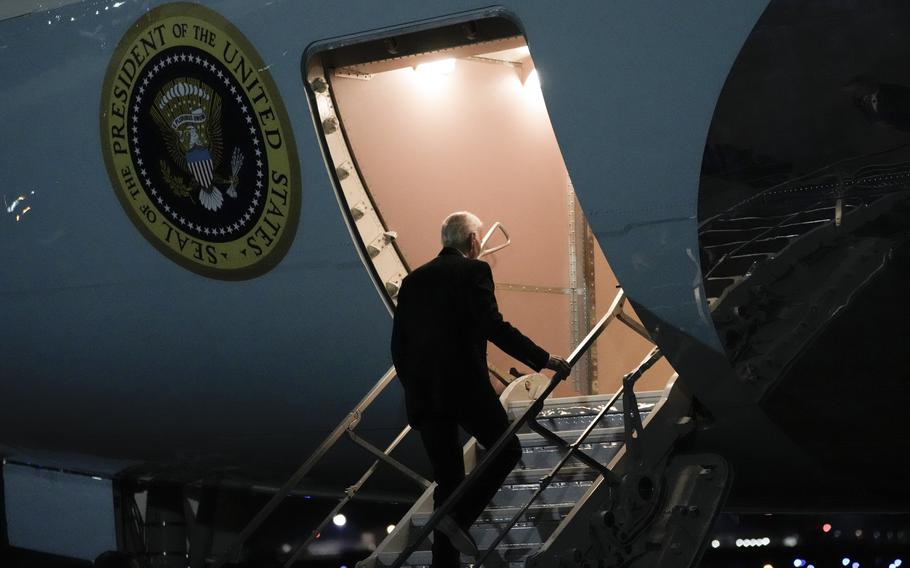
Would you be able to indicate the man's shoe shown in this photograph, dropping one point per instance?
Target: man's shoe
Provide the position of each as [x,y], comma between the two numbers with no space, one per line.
[459,537]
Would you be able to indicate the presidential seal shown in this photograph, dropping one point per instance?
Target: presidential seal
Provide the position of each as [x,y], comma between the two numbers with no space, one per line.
[198,145]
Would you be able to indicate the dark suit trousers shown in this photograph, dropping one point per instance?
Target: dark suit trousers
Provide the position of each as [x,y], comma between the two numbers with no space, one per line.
[486,421]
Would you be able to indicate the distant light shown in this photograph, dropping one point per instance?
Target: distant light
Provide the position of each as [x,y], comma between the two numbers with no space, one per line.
[389,529]
[810,566]
[799,563]
[767,566]
[285,548]
[715,543]
[344,566]
[739,542]
[440,67]
[339,520]
[307,496]
[898,562]
[845,561]
[858,533]
[826,527]
[96,478]
[118,4]
[855,565]
[791,541]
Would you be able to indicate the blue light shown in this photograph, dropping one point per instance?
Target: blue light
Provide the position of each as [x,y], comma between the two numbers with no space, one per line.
[897,563]
[799,563]
[845,561]
[854,565]
[810,566]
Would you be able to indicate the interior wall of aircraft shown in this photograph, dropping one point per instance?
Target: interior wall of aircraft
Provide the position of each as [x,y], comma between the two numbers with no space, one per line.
[441,133]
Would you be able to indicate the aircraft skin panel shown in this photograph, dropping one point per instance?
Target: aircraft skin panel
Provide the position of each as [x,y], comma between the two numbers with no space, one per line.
[100,324]
[633,137]
[102,330]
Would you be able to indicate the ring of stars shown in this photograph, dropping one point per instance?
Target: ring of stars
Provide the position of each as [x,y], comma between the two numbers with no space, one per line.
[164,207]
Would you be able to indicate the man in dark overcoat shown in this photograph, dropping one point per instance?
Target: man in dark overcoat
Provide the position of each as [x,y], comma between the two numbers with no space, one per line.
[446,313]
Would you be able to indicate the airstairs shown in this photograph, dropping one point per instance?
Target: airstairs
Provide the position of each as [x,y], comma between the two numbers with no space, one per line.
[568,418]
[600,481]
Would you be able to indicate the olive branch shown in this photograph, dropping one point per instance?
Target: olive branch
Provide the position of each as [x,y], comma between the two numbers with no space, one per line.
[175,182]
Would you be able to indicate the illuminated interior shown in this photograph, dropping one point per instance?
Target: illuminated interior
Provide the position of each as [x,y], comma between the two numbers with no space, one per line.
[414,138]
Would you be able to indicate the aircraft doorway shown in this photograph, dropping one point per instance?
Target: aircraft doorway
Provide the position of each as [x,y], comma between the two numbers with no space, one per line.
[417,125]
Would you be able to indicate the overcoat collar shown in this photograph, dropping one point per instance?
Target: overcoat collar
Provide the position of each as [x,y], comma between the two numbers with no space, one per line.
[449,251]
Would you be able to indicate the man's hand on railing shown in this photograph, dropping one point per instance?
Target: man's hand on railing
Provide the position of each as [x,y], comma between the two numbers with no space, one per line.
[560,365]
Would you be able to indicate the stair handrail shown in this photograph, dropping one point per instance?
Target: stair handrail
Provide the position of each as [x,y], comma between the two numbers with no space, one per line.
[532,411]
[628,383]
[345,426]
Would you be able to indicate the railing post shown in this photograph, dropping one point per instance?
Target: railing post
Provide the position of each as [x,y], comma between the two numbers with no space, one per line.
[352,418]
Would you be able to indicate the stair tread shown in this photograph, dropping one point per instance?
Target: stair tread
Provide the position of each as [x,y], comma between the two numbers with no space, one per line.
[567,418]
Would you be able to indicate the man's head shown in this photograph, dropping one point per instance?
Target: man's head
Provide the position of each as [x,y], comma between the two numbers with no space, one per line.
[461,230]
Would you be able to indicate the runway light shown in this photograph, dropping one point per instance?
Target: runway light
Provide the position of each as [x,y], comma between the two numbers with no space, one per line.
[436,68]
[715,543]
[389,529]
[826,527]
[339,520]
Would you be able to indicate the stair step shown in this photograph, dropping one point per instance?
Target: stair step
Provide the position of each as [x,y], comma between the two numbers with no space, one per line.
[535,513]
[533,439]
[567,417]
[576,413]
[568,472]
[533,527]
[546,456]
[424,559]
[558,493]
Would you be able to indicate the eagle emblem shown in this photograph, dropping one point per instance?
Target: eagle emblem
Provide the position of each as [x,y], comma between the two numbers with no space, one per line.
[187,113]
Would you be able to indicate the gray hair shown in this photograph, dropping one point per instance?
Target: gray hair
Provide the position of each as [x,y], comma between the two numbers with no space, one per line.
[457,229]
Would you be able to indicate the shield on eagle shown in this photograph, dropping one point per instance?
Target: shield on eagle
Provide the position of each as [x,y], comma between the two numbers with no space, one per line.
[188,113]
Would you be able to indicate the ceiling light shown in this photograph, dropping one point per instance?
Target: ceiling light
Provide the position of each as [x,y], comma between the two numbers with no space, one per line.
[439,67]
